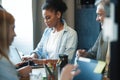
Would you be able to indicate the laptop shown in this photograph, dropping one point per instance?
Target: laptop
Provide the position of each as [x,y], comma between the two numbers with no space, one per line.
[15,58]
[14,55]
[89,69]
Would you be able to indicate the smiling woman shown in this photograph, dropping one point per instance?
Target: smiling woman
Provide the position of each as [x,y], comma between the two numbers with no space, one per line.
[24,24]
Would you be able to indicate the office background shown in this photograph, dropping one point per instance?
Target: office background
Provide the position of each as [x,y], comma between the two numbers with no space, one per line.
[78,18]
[82,19]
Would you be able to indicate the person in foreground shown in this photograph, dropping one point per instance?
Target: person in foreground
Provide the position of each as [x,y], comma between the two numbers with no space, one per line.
[7,34]
[58,37]
[69,71]
[100,50]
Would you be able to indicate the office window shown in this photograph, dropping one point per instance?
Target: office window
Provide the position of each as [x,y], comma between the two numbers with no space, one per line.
[22,11]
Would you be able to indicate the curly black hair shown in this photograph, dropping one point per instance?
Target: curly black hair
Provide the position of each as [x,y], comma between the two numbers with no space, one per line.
[57,5]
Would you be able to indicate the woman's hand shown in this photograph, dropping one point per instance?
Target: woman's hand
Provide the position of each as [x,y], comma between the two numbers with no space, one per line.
[33,56]
[24,71]
[69,71]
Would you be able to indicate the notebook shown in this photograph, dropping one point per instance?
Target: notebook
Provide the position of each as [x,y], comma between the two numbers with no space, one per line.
[89,69]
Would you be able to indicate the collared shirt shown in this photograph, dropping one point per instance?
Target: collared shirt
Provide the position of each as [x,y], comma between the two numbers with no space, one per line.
[67,43]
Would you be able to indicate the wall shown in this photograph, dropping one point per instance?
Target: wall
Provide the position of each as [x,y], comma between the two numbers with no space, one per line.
[0,1]
[70,13]
[38,24]
[86,25]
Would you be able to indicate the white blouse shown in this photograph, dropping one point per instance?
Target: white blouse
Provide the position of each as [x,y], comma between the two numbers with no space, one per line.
[52,43]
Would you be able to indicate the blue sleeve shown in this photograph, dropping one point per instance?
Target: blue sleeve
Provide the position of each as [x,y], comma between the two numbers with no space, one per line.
[71,44]
[39,49]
